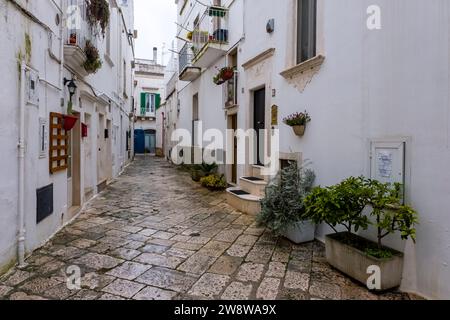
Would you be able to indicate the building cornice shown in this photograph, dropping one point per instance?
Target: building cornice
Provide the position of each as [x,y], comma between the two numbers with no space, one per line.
[259,58]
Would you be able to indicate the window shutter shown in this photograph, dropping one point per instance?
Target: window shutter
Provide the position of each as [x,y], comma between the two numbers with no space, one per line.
[143,102]
[158,101]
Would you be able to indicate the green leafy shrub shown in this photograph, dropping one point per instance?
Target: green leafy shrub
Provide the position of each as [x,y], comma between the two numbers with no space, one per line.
[283,205]
[93,61]
[344,204]
[214,182]
[203,170]
[389,213]
[98,14]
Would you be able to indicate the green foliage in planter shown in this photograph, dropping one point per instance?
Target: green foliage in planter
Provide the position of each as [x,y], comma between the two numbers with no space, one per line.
[214,182]
[390,214]
[98,14]
[202,170]
[69,107]
[283,204]
[297,119]
[342,204]
[93,61]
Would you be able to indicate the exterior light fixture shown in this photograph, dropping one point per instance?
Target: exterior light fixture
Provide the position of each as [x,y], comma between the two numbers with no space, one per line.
[71,86]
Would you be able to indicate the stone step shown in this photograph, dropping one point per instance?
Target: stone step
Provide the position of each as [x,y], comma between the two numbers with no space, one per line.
[253,185]
[257,172]
[244,201]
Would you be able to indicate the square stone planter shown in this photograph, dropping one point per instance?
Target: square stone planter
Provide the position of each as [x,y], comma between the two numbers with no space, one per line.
[355,263]
[301,232]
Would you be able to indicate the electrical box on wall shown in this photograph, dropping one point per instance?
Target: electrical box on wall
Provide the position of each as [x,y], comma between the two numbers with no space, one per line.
[388,162]
[32,87]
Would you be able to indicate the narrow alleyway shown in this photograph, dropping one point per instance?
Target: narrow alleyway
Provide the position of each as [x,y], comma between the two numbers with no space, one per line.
[154,234]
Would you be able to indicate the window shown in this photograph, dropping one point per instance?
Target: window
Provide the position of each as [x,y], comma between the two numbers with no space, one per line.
[150,102]
[306,29]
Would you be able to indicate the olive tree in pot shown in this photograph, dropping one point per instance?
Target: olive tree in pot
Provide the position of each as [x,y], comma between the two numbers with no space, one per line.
[344,205]
[282,208]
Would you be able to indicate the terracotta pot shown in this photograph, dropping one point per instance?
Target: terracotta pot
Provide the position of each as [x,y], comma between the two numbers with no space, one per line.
[299,130]
[73,39]
[69,122]
[227,75]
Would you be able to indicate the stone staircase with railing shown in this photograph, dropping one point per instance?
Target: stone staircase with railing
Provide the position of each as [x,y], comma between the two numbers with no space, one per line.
[247,197]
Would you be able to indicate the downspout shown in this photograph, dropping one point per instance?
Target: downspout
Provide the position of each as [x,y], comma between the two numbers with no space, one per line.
[61,51]
[21,146]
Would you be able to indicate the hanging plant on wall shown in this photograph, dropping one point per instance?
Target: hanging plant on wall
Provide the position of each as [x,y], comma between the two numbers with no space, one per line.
[97,13]
[298,122]
[224,75]
[93,61]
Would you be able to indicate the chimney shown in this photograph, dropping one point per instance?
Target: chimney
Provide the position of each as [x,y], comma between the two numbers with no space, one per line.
[155,55]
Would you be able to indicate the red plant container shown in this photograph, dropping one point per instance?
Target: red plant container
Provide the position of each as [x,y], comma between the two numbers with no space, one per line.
[69,122]
[84,130]
[227,74]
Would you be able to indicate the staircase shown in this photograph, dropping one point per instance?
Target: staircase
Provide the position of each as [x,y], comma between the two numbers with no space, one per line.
[247,197]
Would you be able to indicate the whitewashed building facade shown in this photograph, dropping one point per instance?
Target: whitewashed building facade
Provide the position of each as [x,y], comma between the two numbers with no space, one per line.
[371,90]
[47,179]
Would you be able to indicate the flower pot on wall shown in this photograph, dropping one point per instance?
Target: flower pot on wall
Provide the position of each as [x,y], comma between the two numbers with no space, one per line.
[227,75]
[73,38]
[301,232]
[299,130]
[69,122]
[355,263]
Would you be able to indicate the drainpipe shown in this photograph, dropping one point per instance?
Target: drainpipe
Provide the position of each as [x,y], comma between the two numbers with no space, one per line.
[21,146]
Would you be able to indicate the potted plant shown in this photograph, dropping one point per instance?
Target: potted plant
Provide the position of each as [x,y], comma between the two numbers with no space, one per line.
[93,61]
[98,14]
[298,122]
[224,74]
[344,205]
[69,120]
[282,208]
[73,38]
[214,182]
[203,170]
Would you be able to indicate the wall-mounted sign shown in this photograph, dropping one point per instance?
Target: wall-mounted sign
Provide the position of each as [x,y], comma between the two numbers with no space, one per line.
[274,115]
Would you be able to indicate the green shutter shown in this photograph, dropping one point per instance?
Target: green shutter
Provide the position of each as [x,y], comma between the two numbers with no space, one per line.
[143,102]
[158,101]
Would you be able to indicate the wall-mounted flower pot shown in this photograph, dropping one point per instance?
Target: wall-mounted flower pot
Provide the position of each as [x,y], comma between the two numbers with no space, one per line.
[355,263]
[69,122]
[227,75]
[299,130]
[73,38]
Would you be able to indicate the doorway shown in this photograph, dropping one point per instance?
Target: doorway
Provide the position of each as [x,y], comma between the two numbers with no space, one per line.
[150,142]
[74,169]
[259,123]
[195,120]
[233,125]
[101,149]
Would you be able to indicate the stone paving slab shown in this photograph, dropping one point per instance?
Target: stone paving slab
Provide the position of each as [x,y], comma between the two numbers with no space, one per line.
[153,234]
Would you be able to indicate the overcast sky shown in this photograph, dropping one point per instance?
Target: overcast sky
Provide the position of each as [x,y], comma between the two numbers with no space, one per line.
[155,22]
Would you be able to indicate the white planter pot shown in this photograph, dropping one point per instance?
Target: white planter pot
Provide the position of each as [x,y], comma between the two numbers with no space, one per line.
[355,263]
[301,232]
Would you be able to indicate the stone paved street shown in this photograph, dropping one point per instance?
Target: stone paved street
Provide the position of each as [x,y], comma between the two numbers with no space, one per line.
[155,234]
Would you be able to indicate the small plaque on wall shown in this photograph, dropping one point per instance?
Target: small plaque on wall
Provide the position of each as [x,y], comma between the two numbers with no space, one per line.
[274,115]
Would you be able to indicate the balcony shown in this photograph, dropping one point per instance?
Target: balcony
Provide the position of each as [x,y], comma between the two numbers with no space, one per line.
[187,71]
[78,32]
[210,37]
